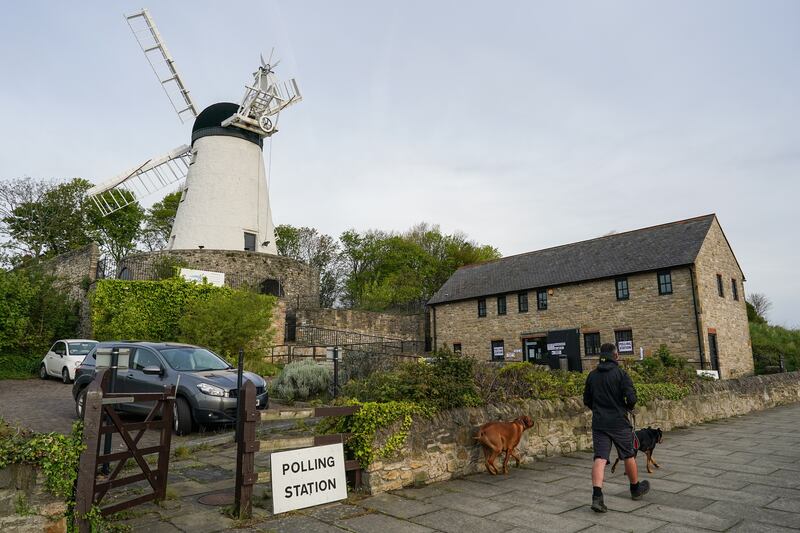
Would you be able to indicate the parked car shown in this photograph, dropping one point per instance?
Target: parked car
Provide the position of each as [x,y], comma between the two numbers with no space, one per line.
[206,395]
[64,357]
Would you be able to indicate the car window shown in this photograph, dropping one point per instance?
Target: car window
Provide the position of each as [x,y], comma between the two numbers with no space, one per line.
[143,358]
[60,348]
[89,360]
[193,359]
[80,348]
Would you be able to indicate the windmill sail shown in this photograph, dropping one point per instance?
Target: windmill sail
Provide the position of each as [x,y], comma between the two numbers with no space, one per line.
[149,39]
[151,176]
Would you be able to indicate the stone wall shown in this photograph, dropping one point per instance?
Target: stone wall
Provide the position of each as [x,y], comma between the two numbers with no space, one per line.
[24,503]
[723,315]
[443,447]
[299,281]
[592,306]
[406,327]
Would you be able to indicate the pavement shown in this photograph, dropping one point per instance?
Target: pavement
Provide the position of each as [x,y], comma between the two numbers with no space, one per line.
[739,474]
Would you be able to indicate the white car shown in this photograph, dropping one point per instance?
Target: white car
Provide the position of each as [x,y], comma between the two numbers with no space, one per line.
[64,357]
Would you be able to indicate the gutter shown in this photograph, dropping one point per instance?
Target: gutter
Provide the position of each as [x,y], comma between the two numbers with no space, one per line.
[697,319]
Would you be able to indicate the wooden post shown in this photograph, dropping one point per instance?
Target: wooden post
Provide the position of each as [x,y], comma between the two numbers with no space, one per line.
[246,447]
[87,471]
[165,441]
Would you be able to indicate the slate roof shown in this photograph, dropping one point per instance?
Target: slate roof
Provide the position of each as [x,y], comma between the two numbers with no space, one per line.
[648,249]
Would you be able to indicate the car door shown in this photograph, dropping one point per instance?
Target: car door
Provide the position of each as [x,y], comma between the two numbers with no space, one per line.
[136,380]
[55,358]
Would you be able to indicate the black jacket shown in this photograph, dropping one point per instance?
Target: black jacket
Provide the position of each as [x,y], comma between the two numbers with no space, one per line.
[609,393]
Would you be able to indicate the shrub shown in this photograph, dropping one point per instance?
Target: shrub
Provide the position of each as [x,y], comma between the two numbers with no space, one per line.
[301,380]
[661,367]
[357,364]
[772,342]
[526,380]
[647,392]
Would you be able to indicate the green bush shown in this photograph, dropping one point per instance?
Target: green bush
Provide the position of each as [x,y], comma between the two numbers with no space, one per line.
[34,312]
[647,392]
[772,342]
[525,380]
[661,367]
[301,380]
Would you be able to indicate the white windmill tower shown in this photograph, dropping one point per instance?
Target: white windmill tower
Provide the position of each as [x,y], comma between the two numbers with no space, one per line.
[225,194]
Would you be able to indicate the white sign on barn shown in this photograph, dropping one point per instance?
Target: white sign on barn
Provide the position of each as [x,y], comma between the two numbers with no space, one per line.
[214,278]
[307,477]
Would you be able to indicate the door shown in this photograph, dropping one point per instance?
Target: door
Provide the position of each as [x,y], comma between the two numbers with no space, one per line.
[713,351]
[535,350]
[135,380]
[55,358]
[565,343]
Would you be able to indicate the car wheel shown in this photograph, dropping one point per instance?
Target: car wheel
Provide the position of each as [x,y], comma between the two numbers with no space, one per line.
[65,376]
[80,404]
[181,417]
[42,372]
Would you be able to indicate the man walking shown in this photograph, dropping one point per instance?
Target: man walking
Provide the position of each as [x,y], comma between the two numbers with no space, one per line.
[609,393]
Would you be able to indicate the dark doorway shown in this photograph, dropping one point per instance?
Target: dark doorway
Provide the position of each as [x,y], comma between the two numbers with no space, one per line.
[535,350]
[713,351]
[565,342]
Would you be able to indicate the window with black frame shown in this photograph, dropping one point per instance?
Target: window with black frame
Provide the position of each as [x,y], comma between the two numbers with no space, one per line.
[522,302]
[457,347]
[720,288]
[249,242]
[622,288]
[665,282]
[501,305]
[541,299]
[624,340]
[591,343]
[498,351]
[734,289]
[482,308]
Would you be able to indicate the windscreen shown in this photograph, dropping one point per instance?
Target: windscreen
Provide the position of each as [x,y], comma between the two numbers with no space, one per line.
[80,348]
[193,359]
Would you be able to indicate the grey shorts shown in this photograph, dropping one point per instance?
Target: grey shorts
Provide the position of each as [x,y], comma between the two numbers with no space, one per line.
[621,438]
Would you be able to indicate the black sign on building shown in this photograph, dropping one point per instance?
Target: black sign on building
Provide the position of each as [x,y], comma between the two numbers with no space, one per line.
[564,343]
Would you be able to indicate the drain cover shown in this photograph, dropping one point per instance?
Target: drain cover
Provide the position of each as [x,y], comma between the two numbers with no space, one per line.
[217,498]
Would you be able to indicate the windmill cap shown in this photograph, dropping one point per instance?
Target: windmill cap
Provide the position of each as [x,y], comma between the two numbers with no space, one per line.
[208,123]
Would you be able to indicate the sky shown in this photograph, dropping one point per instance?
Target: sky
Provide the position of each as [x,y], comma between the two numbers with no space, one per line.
[523,124]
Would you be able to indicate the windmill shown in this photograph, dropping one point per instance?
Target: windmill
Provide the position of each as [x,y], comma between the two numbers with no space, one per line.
[224,201]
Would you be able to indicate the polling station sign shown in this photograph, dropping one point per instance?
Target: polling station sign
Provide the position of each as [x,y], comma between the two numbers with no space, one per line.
[307,477]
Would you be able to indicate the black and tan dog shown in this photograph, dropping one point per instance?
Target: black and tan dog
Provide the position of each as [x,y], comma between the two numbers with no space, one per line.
[648,438]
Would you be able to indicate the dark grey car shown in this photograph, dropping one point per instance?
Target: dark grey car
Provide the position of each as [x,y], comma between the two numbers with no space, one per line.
[206,392]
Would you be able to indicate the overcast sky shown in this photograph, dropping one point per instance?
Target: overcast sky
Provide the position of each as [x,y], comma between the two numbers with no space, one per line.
[524,124]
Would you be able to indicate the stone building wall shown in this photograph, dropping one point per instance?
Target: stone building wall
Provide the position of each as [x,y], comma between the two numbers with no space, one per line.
[723,315]
[405,327]
[591,306]
[299,281]
[443,447]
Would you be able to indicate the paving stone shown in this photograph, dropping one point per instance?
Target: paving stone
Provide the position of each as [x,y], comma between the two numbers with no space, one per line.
[477,488]
[717,482]
[539,521]
[451,521]
[757,514]
[466,503]
[206,521]
[421,493]
[333,512]
[616,503]
[757,488]
[614,519]
[783,504]
[759,527]
[208,474]
[775,481]
[687,517]
[541,503]
[680,528]
[536,488]
[597,528]
[397,506]
[297,524]
[372,523]
[729,495]
[679,500]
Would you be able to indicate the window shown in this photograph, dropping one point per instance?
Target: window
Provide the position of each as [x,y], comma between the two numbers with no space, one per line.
[457,348]
[734,289]
[622,288]
[250,241]
[665,282]
[60,348]
[144,358]
[720,288]
[541,299]
[522,302]
[624,338]
[498,351]
[591,343]
[482,308]
[501,305]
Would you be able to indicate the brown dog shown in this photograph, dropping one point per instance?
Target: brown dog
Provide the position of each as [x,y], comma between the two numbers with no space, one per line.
[498,437]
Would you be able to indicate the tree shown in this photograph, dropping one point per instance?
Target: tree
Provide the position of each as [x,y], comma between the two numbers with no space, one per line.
[118,232]
[761,304]
[13,195]
[159,220]
[317,250]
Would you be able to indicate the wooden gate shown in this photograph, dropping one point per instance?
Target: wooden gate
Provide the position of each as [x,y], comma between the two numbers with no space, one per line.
[248,444]
[100,419]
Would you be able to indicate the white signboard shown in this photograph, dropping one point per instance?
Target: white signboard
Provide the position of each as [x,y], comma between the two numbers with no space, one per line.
[306,477]
[104,358]
[214,278]
[625,346]
[708,373]
[556,348]
[498,352]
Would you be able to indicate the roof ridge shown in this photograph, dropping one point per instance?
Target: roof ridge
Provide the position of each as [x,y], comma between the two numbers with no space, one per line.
[683,221]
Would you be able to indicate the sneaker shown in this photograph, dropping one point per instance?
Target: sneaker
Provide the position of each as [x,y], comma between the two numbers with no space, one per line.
[597,504]
[644,488]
